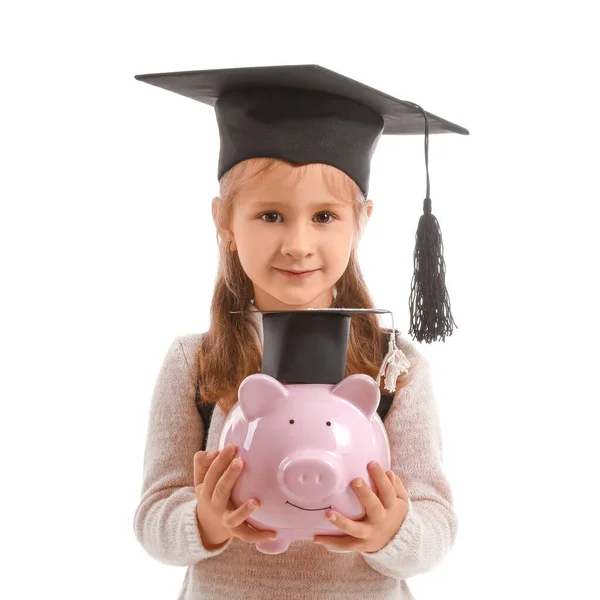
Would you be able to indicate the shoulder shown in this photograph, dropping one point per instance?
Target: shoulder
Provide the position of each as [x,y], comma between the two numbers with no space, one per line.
[189,344]
[189,340]
[410,350]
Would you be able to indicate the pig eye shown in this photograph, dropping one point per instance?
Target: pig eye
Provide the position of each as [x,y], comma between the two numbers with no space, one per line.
[328,423]
[291,421]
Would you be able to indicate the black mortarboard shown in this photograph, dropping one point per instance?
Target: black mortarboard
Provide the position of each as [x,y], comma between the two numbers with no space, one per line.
[311,346]
[310,114]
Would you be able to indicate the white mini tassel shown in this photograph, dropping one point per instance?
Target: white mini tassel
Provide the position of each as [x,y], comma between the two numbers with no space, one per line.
[394,364]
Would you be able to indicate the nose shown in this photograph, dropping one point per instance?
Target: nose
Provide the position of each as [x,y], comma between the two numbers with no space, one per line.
[298,241]
[309,477]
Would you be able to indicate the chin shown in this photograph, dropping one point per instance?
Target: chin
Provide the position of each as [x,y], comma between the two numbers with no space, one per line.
[298,303]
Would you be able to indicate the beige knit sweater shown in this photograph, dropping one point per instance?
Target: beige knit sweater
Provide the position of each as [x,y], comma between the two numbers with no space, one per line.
[165,521]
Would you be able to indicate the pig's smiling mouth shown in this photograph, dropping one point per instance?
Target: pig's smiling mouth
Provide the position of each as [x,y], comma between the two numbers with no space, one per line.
[310,509]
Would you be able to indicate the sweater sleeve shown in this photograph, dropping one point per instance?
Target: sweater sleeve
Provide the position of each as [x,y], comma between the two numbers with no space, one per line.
[429,529]
[165,521]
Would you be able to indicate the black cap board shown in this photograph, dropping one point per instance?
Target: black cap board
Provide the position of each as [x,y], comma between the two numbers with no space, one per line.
[309,114]
[282,112]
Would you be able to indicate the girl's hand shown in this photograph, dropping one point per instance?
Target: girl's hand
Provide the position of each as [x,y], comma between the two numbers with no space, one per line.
[218,519]
[385,510]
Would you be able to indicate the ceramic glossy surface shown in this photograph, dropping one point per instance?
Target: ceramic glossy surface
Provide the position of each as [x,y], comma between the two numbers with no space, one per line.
[302,445]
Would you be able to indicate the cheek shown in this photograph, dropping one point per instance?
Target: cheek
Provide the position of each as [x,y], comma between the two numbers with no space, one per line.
[339,246]
[248,242]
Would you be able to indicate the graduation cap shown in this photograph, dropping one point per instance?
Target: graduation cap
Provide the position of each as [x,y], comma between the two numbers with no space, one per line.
[311,346]
[310,114]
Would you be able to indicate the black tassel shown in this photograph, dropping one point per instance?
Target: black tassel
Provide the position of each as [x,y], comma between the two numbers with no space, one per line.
[430,315]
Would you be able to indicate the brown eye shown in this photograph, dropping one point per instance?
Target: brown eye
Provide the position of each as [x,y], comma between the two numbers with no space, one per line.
[325,213]
[270,213]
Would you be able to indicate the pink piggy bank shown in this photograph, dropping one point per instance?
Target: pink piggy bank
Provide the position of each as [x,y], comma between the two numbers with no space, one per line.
[302,445]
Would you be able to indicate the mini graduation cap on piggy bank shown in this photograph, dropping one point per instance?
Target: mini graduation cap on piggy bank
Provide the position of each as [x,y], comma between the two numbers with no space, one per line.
[303,430]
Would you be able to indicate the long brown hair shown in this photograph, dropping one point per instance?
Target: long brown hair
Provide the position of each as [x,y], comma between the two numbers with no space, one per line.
[228,352]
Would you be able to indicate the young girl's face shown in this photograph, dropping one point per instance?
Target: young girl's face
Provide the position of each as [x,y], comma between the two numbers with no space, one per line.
[285,222]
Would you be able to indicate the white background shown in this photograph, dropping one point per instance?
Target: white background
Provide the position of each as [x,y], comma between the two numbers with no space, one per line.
[108,252]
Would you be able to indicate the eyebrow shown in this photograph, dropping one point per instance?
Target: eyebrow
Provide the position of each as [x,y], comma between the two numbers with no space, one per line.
[267,202]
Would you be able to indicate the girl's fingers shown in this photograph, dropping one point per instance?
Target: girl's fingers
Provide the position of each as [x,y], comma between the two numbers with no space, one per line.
[222,491]
[246,533]
[217,468]
[202,463]
[236,517]
[236,520]
[199,471]
[398,486]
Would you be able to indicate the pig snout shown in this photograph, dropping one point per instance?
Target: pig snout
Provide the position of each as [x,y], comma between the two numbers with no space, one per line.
[309,477]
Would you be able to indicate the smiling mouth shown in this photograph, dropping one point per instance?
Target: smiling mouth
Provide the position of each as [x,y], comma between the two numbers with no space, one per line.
[309,509]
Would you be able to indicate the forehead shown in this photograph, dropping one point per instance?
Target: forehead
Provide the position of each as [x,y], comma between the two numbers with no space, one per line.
[314,183]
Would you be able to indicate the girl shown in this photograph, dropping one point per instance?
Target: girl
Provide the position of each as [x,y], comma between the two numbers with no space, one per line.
[274,216]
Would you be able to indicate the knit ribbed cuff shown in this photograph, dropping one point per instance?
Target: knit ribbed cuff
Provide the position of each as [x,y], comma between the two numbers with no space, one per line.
[192,532]
[404,543]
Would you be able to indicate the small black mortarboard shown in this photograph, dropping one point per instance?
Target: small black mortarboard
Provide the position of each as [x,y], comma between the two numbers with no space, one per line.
[311,346]
[310,114]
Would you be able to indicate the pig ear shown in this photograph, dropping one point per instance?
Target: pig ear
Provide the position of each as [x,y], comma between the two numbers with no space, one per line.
[361,390]
[260,394]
